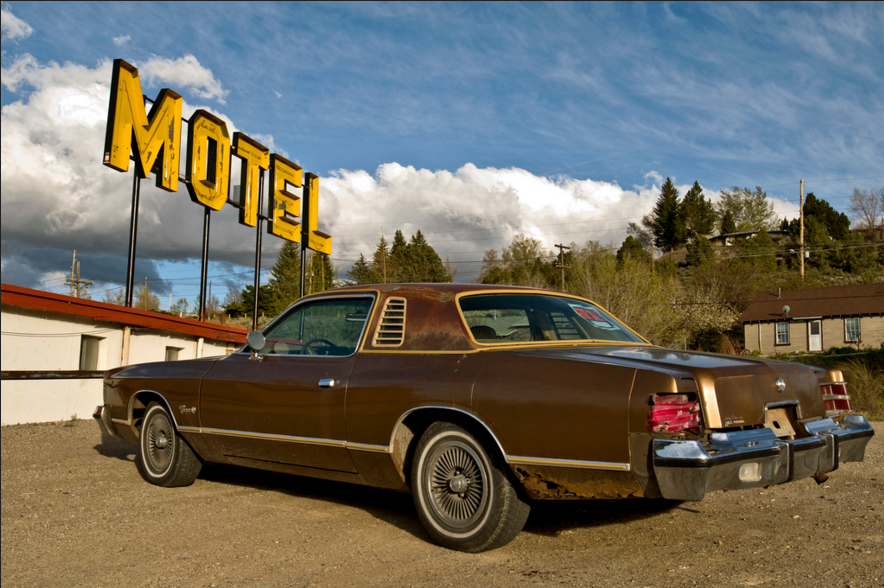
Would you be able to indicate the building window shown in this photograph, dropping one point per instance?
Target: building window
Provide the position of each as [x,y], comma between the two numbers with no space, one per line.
[782,333]
[851,330]
[89,353]
[172,353]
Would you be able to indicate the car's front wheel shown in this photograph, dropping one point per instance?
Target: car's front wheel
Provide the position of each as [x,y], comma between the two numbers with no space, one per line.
[164,458]
[463,497]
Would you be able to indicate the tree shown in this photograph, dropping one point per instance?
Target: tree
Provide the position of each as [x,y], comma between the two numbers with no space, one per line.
[665,222]
[751,211]
[361,273]
[642,236]
[837,224]
[632,249]
[698,214]
[213,306]
[398,260]
[699,252]
[285,280]
[180,307]
[145,299]
[867,206]
[728,225]
[380,261]
[320,273]
[116,296]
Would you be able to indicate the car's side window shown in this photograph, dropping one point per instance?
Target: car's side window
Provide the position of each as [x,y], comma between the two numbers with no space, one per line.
[329,327]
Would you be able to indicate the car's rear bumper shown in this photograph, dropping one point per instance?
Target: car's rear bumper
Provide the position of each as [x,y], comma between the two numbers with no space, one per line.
[687,470]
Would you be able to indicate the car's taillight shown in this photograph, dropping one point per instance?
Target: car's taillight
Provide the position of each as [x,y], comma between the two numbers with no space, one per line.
[835,397]
[671,413]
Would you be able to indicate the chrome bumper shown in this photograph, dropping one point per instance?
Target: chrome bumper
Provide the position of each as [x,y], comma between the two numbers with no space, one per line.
[687,470]
[102,416]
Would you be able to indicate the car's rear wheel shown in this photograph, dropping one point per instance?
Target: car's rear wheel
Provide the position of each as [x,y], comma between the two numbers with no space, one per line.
[164,458]
[463,497]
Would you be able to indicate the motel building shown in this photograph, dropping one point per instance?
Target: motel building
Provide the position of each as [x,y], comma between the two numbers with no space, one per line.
[55,350]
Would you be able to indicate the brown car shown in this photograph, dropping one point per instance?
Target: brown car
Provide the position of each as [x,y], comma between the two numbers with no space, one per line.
[479,400]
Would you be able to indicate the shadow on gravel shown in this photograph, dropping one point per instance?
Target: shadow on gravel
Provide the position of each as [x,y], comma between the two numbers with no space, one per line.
[551,518]
[391,507]
[117,448]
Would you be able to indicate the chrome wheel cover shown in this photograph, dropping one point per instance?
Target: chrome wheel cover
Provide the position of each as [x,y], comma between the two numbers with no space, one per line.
[457,481]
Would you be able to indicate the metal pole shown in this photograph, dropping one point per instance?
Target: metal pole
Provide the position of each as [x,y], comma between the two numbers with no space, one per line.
[260,225]
[133,234]
[801,206]
[304,235]
[204,274]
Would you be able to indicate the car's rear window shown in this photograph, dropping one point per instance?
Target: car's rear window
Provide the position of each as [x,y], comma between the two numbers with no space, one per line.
[513,318]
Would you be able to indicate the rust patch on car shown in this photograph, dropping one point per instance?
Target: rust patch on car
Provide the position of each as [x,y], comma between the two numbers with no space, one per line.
[571,484]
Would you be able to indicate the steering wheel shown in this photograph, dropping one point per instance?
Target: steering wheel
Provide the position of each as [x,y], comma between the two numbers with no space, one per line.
[308,350]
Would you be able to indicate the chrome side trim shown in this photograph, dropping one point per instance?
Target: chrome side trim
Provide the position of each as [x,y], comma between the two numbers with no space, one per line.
[367,447]
[274,437]
[189,430]
[120,422]
[569,463]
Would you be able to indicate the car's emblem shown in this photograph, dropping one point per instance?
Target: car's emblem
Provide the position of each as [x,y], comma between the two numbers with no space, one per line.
[781,385]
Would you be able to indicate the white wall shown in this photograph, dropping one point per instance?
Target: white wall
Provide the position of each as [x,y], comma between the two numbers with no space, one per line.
[45,341]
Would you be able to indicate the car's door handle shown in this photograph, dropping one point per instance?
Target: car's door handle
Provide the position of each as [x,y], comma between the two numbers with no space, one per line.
[327,383]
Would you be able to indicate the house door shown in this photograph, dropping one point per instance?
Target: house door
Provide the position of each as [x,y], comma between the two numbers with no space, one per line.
[814,336]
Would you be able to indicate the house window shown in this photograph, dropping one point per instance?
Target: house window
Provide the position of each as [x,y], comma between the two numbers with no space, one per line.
[782,333]
[89,353]
[172,353]
[851,330]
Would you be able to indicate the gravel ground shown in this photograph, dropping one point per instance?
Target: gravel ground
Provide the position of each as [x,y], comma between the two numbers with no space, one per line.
[75,512]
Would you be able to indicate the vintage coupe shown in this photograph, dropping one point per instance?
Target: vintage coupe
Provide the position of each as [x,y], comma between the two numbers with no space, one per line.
[479,400]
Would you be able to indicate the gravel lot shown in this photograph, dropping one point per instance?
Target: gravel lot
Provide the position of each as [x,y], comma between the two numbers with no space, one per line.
[75,512]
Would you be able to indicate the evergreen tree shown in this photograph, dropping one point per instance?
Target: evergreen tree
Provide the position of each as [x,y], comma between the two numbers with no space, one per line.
[285,281]
[698,214]
[728,225]
[380,261]
[361,273]
[665,222]
[320,273]
[398,260]
[632,249]
[836,223]
[699,252]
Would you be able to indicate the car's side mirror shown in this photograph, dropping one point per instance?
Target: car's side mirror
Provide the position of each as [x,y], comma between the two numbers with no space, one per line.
[256,342]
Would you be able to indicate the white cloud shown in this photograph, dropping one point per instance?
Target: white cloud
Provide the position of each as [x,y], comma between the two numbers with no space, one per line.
[467,211]
[122,40]
[184,72]
[57,195]
[12,28]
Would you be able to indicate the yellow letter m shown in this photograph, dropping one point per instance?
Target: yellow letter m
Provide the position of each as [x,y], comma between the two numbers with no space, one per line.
[129,125]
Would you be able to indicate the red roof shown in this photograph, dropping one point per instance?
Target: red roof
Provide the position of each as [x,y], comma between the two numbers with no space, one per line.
[102,311]
[837,301]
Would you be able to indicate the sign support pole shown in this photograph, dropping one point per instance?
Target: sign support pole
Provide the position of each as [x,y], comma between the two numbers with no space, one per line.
[259,222]
[133,235]
[204,273]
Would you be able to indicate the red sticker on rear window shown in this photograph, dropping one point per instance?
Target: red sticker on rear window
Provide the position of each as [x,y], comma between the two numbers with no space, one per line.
[589,314]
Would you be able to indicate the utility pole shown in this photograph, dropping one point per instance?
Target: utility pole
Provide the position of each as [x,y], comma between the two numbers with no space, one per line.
[561,263]
[75,280]
[801,207]
[653,266]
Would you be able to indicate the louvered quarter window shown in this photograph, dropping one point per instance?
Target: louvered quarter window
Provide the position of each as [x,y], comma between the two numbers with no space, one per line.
[391,328]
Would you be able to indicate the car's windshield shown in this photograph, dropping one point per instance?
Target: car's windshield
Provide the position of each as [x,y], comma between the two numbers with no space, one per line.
[511,318]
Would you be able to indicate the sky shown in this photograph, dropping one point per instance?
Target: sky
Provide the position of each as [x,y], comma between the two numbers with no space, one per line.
[470,122]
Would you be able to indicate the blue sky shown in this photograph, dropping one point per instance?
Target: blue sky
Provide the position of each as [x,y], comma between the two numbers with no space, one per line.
[472,122]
